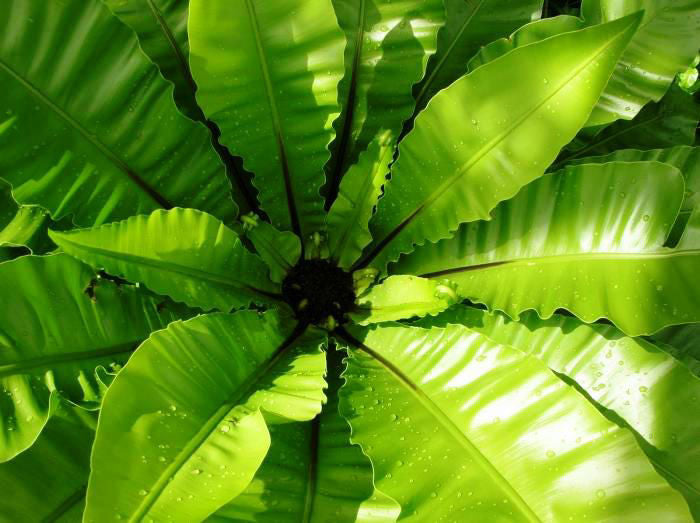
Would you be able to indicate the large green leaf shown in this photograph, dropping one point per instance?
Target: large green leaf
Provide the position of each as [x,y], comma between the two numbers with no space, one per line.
[182,253]
[403,296]
[58,323]
[461,159]
[588,239]
[48,481]
[267,74]
[468,26]
[665,44]
[687,160]
[348,218]
[388,45]
[312,473]
[161,26]
[93,128]
[467,428]
[183,427]
[642,385]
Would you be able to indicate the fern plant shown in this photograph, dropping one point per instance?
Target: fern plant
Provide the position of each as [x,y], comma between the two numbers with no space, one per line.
[349,260]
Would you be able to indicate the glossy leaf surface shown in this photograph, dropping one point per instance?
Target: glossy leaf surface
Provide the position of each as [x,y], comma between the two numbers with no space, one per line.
[401,297]
[185,416]
[388,46]
[348,218]
[643,386]
[527,34]
[565,242]
[280,250]
[77,87]
[161,26]
[311,473]
[453,169]
[665,44]
[48,482]
[668,123]
[58,324]
[251,59]
[497,432]
[468,26]
[182,253]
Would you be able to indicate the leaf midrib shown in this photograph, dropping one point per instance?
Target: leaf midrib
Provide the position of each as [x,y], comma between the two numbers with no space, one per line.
[52,360]
[276,120]
[121,166]
[211,424]
[182,270]
[563,258]
[449,426]
[345,133]
[172,42]
[480,154]
[312,471]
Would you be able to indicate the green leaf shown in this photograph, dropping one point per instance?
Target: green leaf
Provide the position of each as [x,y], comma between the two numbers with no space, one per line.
[311,472]
[462,159]
[684,158]
[348,218]
[501,438]
[664,45]
[528,34]
[24,228]
[267,74]
[93,128]
[681,341]
[668,123]
[279,250]
[161,27]
[58,324]
[47,482]
[587,239]
[401,297]
[468,26]
[182,253]
[186,416]
[388,46]
[642,385]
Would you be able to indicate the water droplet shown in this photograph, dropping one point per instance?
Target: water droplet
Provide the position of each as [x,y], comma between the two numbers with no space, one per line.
[143,492]
[600,493]
[196,472]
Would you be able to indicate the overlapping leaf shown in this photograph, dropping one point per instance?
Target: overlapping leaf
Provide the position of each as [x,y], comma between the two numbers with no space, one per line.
[388,46]
[468,26]
[462,158]
[184,423]
[93,130]
[161,26]
[641,385]
[665,44]
[402,297]
[472,429]
[267,74]
[588,239]
[48,482]
[58,324]
[182,253]
[311,473]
